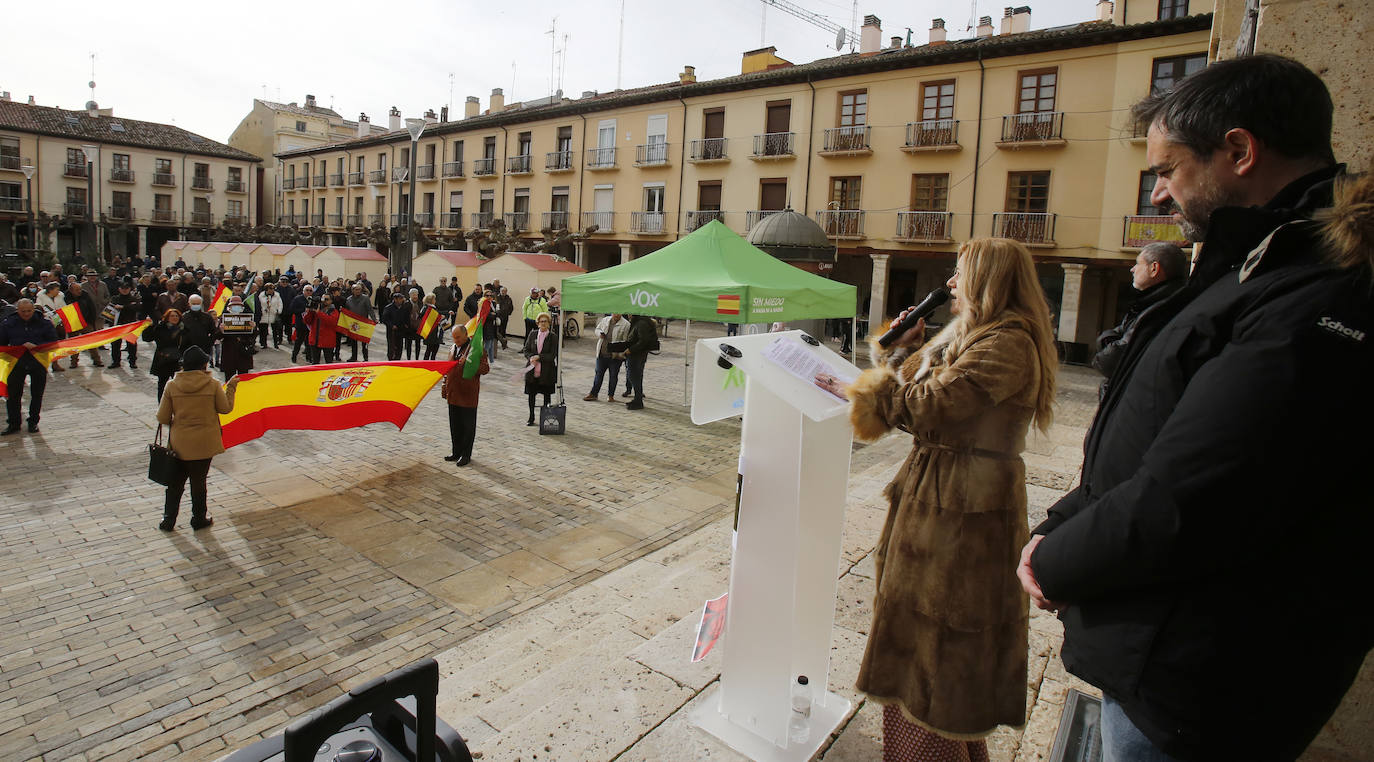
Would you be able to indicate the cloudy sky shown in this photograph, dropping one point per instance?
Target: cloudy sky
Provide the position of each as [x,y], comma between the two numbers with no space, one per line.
[200,65]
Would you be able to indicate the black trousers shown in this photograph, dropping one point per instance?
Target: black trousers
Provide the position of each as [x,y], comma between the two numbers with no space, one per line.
[195,471]
[302,335]
[355,344]
[393,343]
[117,344]
[462,428]
[412,342]
[162,384]
[636,374]
[29,368]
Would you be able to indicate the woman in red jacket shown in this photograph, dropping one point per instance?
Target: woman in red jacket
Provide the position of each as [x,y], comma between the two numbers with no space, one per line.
[322,342]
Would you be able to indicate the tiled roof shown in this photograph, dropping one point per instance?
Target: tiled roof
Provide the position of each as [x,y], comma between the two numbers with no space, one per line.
[302,110]
[542,262]
[80,126]
[360,253]
[456,258]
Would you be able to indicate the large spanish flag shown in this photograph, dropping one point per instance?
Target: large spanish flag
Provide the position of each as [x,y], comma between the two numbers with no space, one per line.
[428,320]
[72,319]
[55,350]
[221,299]
[328,397]
[355,326]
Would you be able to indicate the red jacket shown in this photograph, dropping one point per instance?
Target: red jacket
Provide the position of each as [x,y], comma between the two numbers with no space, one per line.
[321,325]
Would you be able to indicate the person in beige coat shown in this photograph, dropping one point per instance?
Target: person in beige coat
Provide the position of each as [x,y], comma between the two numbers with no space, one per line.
[946,655]
[191,406]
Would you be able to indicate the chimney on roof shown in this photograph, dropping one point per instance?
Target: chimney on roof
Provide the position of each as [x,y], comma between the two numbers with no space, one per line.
[364,126]
[497,102]
[588,93]
[5,95]
[984,26]
[937,32]
[894,43]
[688,75]
[92,109]
[471,107]
[871,36]
[1104,10]
[431,117]
[394,119]
[310,102]
[1016,20]
[443,113]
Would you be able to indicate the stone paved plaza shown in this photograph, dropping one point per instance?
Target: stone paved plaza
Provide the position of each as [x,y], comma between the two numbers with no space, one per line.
[557,579]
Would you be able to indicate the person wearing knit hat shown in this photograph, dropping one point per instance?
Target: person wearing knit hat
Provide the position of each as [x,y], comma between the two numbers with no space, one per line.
[191,407]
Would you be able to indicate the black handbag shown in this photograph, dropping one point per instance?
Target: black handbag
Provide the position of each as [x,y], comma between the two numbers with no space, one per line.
[552,419]
[162,465]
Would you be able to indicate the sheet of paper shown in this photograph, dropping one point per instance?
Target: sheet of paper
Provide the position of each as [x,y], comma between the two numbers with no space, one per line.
[800,361]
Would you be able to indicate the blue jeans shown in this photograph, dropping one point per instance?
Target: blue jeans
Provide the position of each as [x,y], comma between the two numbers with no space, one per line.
[1122,741]
[604,364]
[489,346]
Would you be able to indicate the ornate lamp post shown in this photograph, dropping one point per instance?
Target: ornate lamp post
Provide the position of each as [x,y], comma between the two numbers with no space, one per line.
[415,127]
[92,157]
[28,170]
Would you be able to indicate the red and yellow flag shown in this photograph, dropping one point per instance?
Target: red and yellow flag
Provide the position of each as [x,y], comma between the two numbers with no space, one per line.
[356,327]
[55,350]
[221,299]
[473,366]
[428,319]
[9,356]
[727,304]
[328,397]
[72,319]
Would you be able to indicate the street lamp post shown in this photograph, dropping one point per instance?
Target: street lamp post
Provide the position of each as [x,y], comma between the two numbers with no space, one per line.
[28,170]
[416,127]
[92,156]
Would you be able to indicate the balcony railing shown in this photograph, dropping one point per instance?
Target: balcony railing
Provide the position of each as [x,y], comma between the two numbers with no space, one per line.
[121,213]
[707,149]
[317,181]
[165,179]
[74,210]
[1038,127]
[426,219]
[600,158]
[558,161]
[283,219]
[317,219]
[754,216]
[121,175]
[517,222]
[202,183]
[1036,228]
[518,164]
[1141,230]
[774,145]
[376,219]
[376,177]
[235,219]
[847,139]
[555,221]
[355,178]
[353,220]
[200,218]
[11,204]
[424,172]
[694,219]
[400,174]
[842,223]
[10,162]
[485,167]
[651,155]
[647,223]
[923,227]
[604,221]
[336,180]
[165,216]
[73,170]
[288,183]
[453,169]
[300,219]
[932,134]
[235,186]
[397,220]
[336,220]
[483,220]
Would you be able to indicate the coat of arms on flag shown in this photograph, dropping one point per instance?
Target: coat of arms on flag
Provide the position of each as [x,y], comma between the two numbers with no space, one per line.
[346,385]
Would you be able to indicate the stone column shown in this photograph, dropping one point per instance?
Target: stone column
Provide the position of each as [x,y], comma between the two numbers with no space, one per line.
[626,252]
[1071,302]
[580,253]
[877,299]
[143,242]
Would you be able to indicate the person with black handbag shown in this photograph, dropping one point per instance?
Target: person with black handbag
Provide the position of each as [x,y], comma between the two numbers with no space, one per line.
[541,350]
[191,408]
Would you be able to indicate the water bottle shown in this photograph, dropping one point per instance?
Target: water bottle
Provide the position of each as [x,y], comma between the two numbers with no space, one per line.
[799,727]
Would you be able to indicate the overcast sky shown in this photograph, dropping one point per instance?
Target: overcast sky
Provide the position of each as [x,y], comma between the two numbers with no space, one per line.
[200,65]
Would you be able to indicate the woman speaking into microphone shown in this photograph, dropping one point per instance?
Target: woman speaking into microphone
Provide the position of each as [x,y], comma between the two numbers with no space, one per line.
[946,655]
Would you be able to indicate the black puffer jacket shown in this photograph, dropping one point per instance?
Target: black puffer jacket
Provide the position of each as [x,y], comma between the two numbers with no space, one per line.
[1215,558]
[1113,341]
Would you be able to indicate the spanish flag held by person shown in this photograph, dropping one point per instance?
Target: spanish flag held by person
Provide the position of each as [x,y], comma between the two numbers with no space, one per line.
[71,318]
[328,397]
[472,367]
[356,327]
[221,299]
[428,320]
[52,351]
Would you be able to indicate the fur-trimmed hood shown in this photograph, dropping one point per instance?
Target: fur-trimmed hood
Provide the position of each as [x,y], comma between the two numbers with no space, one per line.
[1348,226]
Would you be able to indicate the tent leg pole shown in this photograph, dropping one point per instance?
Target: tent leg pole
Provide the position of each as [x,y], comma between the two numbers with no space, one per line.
[559,328]
[686,361]
[854,340]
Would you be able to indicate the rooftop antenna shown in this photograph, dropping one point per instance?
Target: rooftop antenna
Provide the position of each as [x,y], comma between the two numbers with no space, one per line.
[763,26]
[512,81]
[972,15]
[91,84]
[450,91]
[553,52]
[563,61]
[854,23]
[331,103]
[620,46]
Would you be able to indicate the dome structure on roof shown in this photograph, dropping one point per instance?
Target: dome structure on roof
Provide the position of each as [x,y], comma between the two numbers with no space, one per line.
[792,237]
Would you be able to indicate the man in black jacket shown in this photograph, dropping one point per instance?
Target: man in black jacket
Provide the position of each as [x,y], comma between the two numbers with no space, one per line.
[1159,271]
[296,315]
[1211,568]
[129,310]
[25,328]
[643,339]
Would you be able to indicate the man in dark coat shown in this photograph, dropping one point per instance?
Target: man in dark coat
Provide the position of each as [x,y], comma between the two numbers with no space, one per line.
[396,318]
[643,339]
[77,295]
[198,327]
[130,310]
[26,328]
[1159,271]
[296,315]
[1210,567]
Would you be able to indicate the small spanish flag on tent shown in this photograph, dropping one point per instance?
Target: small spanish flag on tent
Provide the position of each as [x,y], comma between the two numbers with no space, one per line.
[72,319]
[727,304]
[428,319]
[221,299]
[356,327]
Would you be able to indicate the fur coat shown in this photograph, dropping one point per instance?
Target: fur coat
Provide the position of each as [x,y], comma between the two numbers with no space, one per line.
[948,642]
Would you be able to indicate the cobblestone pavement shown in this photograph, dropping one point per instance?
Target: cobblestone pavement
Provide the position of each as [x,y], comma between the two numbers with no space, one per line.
[335,556]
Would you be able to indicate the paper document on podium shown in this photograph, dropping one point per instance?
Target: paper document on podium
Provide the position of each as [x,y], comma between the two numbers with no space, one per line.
[712,624]
[799,361]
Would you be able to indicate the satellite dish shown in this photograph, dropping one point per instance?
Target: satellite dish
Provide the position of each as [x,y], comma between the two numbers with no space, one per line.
[839,39]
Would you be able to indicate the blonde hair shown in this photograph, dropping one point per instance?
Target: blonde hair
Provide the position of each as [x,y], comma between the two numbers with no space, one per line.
[997,284]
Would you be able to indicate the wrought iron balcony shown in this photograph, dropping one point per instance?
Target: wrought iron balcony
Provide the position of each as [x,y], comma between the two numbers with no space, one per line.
[355,178]
[774,145]
[235,186]
[453,169]
[376,219]
[555,221]
[354,220]
[1033,228]
[485,167]
[317,219]
[165,179]
[200,218]
[923,227]
[11,204]
[377,177]
[518,164]
[558,161]
[842,223]
[424,172]
[397,220]
[707,149]
[74,210]
[336,220]
[847,140]
[121,175]
[483,220]
[517,222]
[647,223]
[236,219]
[74,170]
[336,180]
[202,183]
[651,155]
[121,213]
[932,135]
[754,216]
[400,174]
[1040,128]
[604,222]
[165,216]
[10,162]
[300,219]
[698,217]
[453,220]
[600,158]
[1141,230]
[426,219]
[317,181]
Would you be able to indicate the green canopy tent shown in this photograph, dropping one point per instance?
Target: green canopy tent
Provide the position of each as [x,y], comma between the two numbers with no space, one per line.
[712,275]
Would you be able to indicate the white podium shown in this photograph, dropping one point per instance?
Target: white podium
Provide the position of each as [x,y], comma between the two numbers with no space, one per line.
[794,468]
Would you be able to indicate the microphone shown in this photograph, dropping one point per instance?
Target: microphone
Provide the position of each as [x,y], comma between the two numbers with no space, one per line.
[923,310]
